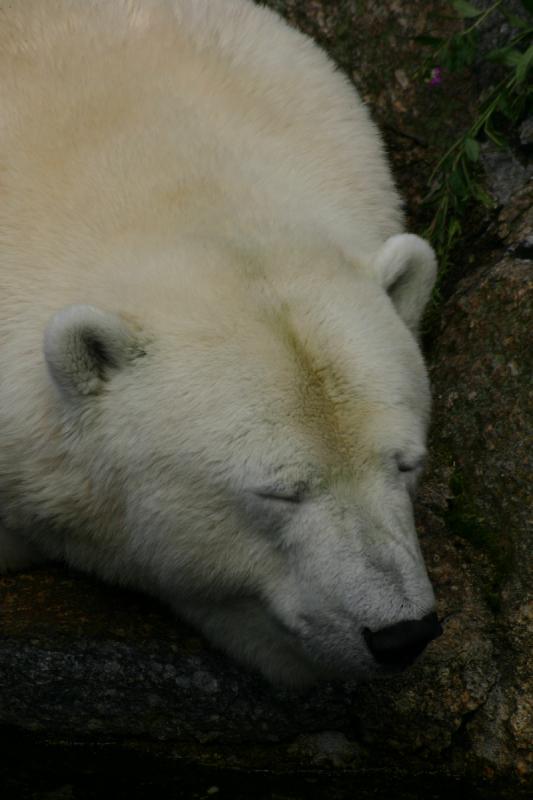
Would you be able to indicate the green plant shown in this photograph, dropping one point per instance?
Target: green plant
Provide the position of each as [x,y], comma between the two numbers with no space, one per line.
[455,182]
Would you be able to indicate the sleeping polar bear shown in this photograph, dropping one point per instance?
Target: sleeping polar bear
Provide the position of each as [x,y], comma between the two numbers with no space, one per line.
[210,385]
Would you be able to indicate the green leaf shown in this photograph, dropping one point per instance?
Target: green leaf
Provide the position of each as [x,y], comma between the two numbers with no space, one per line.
[462,51]
[505,55]
[466,9]
[454,230]
[466,176]
[528,5]
[504,107]
[516,21]
[482,195]
[471,149]
[491,134]
[524,64]
[457,184]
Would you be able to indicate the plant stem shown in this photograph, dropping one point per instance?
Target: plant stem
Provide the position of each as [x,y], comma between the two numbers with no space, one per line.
[482,17]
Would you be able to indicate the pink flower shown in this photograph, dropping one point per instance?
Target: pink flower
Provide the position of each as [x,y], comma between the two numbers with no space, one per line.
[435,78]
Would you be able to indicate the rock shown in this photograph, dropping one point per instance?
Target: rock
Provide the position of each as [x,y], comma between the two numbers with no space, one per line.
[83,664]
[526,132]
[505,174]
[515,223]
[482,367]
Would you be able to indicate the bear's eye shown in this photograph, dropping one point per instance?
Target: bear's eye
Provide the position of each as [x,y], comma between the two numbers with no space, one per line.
[407,467]
[285,494]
[409,464]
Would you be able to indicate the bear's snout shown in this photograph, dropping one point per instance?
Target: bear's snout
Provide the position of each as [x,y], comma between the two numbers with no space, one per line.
[400,644]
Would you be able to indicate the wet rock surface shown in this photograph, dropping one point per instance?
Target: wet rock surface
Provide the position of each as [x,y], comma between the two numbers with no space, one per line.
[104,688]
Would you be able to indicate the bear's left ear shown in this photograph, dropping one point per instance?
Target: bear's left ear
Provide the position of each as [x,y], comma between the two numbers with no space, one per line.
[84,346]
[406,267]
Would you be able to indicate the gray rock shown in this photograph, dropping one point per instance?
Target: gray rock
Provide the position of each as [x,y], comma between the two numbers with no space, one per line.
[483,478]
[526,132]
[506,176]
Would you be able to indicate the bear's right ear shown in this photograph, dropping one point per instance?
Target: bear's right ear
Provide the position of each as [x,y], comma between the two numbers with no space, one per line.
[83,346]
[406,267]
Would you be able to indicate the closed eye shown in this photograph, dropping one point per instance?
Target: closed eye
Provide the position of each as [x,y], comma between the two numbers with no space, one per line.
[284,494]
[409,465]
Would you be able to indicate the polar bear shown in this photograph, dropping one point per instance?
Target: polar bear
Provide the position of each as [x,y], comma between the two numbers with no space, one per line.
[210,382]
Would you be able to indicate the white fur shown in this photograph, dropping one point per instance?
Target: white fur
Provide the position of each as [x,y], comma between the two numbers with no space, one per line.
[407,268]
[195,253]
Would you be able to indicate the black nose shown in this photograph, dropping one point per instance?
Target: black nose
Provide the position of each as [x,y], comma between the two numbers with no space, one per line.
[398,645]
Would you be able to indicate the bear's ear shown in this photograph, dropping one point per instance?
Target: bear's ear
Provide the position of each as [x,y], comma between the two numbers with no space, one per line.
[83,346]
[406,268]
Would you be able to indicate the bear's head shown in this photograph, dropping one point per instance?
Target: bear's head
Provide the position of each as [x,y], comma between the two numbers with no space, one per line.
[252,457]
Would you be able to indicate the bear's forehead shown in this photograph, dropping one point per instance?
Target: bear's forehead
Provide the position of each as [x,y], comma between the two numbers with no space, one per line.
[326,404]
[318,378]
[335,397]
